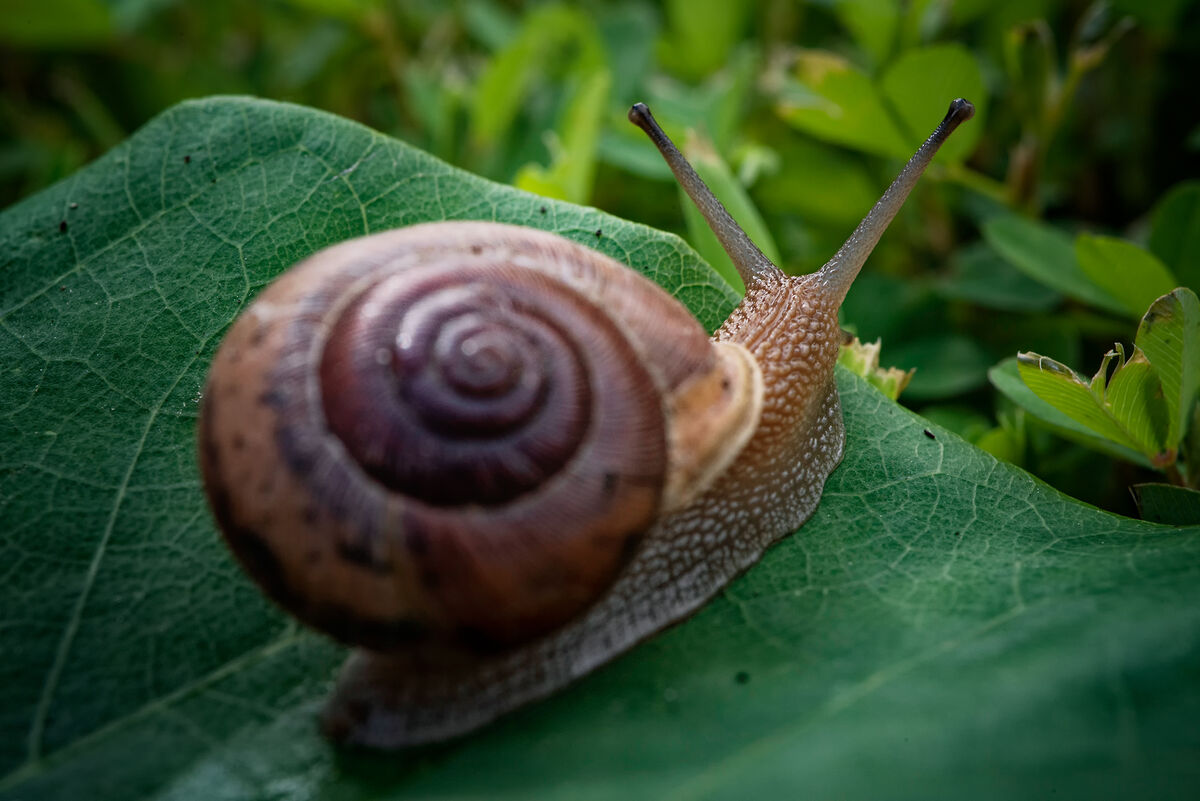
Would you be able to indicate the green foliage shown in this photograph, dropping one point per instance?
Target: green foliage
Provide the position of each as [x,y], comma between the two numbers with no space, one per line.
[1147,402]
[935,586]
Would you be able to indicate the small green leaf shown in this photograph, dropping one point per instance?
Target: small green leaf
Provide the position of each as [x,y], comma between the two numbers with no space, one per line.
[1170,337]
[1175,232]
[1072,394]
[920,86]
[1135,400]
[1123,270]
[862,359]
[1006,377]
[833,100]
[1166,503]
[1048,256]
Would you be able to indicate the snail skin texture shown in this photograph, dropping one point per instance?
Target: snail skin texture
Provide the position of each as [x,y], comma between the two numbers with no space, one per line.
[492,459]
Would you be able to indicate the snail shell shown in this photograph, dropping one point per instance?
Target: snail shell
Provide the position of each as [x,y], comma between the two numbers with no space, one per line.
[460,431]
[494,459]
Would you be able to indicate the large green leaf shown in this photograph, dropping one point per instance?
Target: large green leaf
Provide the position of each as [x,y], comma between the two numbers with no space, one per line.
[945,626]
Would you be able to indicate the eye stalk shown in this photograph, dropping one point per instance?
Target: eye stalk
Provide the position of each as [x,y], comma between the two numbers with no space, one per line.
[840,271]
[750,262]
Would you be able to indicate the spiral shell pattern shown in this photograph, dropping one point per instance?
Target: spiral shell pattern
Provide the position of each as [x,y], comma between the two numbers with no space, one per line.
[448,431]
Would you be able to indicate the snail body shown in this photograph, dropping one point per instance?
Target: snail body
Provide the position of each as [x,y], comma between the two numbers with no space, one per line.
[493,459]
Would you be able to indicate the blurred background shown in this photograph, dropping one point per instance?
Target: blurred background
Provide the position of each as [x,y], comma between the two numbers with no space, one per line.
[798,113]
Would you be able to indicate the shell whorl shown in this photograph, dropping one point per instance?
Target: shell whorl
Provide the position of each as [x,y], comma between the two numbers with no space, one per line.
[466,430]
[465,386]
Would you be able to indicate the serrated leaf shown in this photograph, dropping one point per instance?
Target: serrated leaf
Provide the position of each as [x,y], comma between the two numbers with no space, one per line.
[862,359]
[1135,399]
[943,619]
[1124,271]
[1006,377]
[1048,256]
[1169,335]
[1072,394]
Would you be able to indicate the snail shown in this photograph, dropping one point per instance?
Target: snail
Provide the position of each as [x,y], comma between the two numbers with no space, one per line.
[491,459]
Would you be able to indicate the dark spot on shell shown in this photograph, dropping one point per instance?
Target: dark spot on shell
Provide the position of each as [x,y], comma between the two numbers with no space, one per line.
[929,434]
[610,483]
[239,442]
[62,227]
[476,249]
[725,384]
[741,677]
[300,458]
[256,556]
[187,159]
[359,553]
[260,333]
[274,398]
